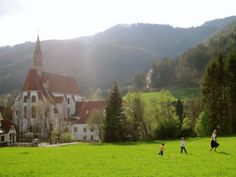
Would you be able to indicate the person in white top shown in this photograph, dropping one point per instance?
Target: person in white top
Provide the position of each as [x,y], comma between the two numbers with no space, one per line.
[182,145]
[214,143]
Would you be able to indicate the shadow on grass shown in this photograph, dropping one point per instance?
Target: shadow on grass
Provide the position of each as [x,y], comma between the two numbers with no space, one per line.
[223,153]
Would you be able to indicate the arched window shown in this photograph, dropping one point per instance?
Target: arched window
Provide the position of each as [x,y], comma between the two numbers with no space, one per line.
[25,112]
[33,111]
[33,99]
[68,100]
[68,112]
[25,99]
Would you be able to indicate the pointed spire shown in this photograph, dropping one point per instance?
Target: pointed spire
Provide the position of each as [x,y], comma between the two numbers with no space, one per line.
[38,58]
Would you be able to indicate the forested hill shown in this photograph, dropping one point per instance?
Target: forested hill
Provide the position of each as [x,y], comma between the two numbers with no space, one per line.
[188,68]
[95,61]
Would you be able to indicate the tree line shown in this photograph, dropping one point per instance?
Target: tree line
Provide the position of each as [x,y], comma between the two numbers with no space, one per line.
[188,69]
[135,117]
[218,93]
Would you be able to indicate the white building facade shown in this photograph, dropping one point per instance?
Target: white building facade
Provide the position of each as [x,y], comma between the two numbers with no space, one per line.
[49,102]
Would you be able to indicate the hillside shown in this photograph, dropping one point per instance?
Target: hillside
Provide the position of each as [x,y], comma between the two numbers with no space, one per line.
[188,68]
[96,61]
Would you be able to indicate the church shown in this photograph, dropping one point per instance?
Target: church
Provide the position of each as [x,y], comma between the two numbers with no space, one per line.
[50,103]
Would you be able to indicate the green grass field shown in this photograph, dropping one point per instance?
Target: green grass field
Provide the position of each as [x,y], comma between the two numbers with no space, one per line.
[121,160]
[185,93]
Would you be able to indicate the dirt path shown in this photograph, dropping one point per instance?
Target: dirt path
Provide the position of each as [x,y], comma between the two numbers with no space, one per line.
[56,145]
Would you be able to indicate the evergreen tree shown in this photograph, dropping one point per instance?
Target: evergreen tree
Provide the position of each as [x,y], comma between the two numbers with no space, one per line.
[231,70]
[139,81]
[179,108]
[115,121]
[139,129]
[218,93]
[210,93]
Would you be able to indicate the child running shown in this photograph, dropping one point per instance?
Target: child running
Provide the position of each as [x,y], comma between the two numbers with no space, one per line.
[161,149]
[182,145]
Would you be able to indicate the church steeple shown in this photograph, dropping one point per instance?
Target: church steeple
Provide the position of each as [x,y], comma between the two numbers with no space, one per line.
[38,58]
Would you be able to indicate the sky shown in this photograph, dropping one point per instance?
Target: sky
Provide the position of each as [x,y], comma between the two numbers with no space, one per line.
[22,20]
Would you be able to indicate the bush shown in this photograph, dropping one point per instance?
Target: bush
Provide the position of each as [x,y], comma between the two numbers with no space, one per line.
[67,137]
[203,125]
[186,129]
[168,128]
[54,136]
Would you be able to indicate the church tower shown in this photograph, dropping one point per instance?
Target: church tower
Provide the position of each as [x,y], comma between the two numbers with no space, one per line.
[38,58]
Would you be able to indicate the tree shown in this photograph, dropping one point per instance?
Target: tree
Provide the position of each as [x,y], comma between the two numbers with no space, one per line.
[218,95]
[139,127]
[163,73]
[230,67]
[97,119]
[211,89]
[115,120]
[167,121]
[179,108]
[186,129]
[139,81]
[192,111]
[204,125]
[167,124]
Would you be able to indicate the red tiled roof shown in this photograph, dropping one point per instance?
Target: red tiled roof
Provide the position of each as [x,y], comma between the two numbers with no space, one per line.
[6,112]
[58,99]
[85,108]
[32,81]
[48,96]
[60,84]
[56,83]
[6,125]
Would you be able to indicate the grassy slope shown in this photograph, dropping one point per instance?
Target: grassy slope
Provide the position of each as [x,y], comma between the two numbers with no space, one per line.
[122,160]
[185,93]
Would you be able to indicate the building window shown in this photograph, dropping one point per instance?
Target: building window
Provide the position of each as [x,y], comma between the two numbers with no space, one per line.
[92,129]
[25,112]
[25,99]
[33,111]
[85,137]
[17,112]
[75,129]
[91,137]
[85,129]
[68,100]
[33,99]
[46,112]
[68,110]
[2,138]
[55,110]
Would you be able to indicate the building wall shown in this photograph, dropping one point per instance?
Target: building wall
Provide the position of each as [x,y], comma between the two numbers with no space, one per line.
[82,132]
[25,122]
[7,137]
[69,103]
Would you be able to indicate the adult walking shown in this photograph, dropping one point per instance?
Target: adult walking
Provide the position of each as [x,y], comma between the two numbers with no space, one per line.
[214,143]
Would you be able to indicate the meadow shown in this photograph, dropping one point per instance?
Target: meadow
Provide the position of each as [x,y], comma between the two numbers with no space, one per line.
[139,159]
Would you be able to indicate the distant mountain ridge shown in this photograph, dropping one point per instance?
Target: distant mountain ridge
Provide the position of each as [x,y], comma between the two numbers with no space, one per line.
[115,54]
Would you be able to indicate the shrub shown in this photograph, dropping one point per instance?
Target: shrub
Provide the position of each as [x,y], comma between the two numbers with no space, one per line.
[186,129]
[168,128]
[67,137]
[203,125]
